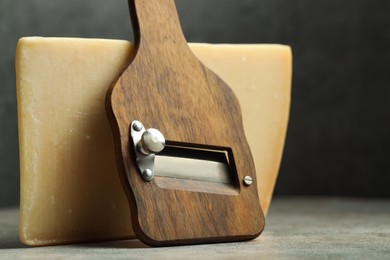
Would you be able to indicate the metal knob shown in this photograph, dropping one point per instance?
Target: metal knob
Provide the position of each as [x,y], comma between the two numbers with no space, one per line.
[152,141]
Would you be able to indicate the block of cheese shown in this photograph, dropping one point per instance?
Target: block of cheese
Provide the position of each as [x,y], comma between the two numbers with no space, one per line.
[70,189]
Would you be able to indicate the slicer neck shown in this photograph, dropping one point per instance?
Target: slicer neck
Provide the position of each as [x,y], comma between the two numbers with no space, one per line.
[156,23]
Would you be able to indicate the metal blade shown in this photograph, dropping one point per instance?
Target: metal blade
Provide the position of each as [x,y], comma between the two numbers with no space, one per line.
[194,169]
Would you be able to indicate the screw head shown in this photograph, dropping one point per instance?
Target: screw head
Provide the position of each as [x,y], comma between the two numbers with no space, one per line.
[137,126]
[148,175]
[248,180]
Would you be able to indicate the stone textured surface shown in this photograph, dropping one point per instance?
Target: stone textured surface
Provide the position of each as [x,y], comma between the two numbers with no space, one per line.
[297,228]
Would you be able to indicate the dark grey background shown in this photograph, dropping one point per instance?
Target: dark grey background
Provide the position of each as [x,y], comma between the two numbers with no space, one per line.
[338,138]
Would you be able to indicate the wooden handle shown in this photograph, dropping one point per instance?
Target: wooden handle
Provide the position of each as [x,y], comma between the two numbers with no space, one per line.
[156,24]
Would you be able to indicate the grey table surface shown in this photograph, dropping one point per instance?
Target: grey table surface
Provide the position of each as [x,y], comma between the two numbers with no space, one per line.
[297,228]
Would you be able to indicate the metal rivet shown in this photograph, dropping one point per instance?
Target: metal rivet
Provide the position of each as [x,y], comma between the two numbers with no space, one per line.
[248,180]
[137,126]
[147,175]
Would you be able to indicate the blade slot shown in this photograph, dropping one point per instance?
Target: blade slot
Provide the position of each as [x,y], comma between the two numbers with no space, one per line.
[200,169]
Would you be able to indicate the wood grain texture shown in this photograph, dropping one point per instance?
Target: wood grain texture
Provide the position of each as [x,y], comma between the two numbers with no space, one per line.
[166,87]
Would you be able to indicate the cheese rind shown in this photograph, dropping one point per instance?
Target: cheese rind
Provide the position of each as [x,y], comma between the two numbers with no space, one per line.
[70,190]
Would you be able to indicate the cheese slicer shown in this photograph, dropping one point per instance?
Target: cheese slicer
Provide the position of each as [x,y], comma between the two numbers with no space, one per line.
[183,158]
